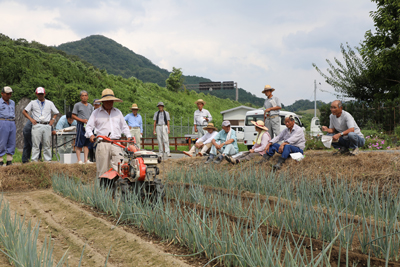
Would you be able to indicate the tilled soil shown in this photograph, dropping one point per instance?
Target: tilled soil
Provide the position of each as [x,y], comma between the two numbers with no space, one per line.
[71,226]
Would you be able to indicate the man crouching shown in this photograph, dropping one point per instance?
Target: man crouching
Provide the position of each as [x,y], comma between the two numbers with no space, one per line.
[293,141]
[225,142]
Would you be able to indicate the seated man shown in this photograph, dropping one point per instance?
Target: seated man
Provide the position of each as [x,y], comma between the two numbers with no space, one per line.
[344,130]
[64,142]
[293,141]
[225,142]
[258,149]
[203,142]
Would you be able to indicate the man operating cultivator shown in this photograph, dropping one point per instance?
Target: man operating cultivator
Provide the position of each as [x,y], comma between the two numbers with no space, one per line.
[131,169]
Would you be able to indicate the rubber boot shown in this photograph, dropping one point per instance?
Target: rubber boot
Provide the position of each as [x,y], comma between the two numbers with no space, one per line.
[278,165]
[209,159]
[1,163]
[219,159]
[265,158]
[9,163]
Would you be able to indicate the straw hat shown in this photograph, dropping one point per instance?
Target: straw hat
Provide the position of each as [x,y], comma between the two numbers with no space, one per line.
[210,125]
[200,101]
[268,87]
[108,95]
[260,124]
[134,106]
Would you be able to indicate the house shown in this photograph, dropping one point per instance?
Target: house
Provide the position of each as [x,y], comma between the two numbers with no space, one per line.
[236,115]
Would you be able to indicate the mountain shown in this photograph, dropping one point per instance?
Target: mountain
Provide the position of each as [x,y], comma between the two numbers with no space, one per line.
[105,53]
[27,65]
[303,104]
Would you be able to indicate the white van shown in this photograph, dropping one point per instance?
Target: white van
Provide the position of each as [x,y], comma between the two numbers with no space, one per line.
[315,128]
[255,115]
[239,132]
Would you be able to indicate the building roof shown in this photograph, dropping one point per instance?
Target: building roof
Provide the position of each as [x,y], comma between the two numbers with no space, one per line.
[239,107]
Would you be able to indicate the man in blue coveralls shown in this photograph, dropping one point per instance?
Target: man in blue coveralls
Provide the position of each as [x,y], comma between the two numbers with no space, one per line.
[7,125]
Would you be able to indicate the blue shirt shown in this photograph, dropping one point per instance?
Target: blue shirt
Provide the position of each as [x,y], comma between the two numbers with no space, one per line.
[222,135]
[134,121]
[63,123]
[7,111]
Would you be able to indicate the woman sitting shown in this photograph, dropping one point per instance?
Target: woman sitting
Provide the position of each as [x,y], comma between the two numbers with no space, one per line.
[258,149]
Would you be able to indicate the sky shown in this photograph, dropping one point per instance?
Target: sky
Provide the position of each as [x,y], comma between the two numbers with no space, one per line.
[253,43]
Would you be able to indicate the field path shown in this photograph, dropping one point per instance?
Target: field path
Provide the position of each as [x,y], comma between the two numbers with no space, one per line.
[71,227]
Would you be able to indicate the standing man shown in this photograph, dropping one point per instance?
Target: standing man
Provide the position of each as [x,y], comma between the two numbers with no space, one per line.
[41,110]
[81,113]
[64,142]
[161,129]
[293,142]
[272,105]
[344,130]
[92,149]
[135,123]
[108,121]
[96,104]
[201,118]
[7,126]
[225,142]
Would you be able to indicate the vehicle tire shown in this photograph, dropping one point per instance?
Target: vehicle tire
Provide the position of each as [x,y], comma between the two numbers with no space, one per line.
[249,147]
[120,190]
[106,183]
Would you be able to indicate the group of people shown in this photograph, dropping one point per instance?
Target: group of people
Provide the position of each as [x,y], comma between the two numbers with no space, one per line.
[344,131]
[102,118]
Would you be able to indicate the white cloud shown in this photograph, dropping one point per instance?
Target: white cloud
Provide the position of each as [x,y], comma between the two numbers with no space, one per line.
[254,43]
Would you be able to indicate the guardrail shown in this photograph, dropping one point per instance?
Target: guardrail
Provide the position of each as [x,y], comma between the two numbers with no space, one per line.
[175,143]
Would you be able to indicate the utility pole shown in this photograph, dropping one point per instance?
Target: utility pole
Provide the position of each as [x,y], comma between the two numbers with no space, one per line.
[315,98]
[237,92]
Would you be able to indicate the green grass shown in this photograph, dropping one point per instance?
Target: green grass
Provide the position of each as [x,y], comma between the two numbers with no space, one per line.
[17,158]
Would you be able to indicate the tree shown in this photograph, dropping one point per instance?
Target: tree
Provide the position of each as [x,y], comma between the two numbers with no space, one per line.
[175,80]
[371,72]
[382,47]
[350,79]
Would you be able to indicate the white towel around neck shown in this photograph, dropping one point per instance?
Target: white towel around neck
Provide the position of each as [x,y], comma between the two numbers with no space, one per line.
[228,136]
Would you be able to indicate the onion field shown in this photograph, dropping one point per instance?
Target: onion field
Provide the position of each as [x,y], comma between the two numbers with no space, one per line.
[257,218]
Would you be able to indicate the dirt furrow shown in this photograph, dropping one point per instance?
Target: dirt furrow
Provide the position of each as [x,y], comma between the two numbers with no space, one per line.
[72,227]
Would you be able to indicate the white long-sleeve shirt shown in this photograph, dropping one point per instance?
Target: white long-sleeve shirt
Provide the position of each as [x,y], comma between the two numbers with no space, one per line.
[105,123]
[207,138]
[200,115]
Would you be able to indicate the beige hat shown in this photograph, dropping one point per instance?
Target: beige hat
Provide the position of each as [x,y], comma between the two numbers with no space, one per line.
[200,101]
[210,125]
[6,90]
[268,87]
[108,95]
[260,124]
[134,106]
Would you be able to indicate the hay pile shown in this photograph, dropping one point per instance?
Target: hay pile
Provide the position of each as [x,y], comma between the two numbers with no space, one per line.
[373,169]
[20,177]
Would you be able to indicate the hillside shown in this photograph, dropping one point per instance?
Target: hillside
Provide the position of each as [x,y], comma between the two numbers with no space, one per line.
[303,104]
[24,67]
[105,53]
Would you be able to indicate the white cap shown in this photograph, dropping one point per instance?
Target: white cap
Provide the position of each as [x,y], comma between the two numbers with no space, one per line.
[7,90]
[226,123]
[40,90]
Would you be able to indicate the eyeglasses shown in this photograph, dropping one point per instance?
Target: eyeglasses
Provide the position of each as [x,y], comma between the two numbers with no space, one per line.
[333,107]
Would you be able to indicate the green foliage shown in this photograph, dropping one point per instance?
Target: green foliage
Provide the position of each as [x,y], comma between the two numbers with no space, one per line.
[301,105]
[313,143]
[24,68]
[175,80]
[371,73]
[107,54]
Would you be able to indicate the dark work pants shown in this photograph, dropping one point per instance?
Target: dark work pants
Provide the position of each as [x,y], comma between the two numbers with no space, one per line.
[26,153]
